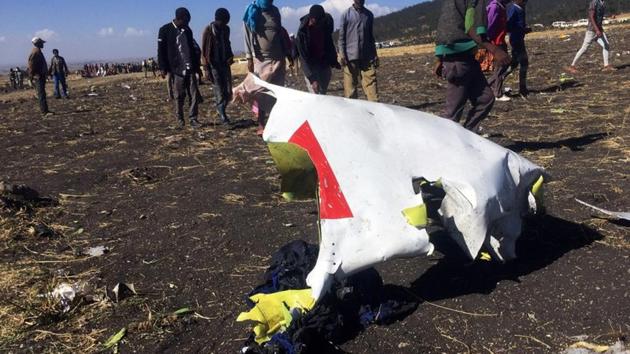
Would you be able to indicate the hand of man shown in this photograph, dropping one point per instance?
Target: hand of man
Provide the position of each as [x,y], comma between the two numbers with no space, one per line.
[250,65]
[438,68]
[230,61]
[599,33]
[315,86]
[501,57]
[163,74]
[342,61]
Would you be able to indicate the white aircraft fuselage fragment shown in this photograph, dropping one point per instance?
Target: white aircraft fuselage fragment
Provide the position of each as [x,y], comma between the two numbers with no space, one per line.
[366,156]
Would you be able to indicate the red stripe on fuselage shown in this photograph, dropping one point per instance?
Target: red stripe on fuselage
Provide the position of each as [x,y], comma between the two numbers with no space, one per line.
[333,204]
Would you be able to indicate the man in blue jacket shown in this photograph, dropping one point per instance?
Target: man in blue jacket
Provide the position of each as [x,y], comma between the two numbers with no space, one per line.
[517,27]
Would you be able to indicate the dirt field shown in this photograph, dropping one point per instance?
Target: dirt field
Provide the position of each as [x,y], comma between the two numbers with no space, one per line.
[191,219]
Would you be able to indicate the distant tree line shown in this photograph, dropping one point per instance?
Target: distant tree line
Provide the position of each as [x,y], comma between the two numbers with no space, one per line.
[417,23]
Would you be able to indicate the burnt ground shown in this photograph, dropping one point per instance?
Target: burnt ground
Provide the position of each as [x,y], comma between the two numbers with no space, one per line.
[191,219]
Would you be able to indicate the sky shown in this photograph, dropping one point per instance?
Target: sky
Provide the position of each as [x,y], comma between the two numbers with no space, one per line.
[122,29]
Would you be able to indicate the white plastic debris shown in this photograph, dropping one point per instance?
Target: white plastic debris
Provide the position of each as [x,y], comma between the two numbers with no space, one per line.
[367,156]
[614,214]
[123,290]
[66,294]
[96,251]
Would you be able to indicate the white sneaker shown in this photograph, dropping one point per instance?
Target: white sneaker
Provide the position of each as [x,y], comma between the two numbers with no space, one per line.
[503,98]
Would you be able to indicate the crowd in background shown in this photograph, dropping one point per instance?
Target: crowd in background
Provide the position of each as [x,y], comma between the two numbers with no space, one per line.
[465,28]
[108,69]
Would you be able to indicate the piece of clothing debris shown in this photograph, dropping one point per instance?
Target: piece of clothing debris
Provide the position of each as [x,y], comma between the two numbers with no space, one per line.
[273,313]
[353,304]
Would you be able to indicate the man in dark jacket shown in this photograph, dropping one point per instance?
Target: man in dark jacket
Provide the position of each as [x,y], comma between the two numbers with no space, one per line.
[38,71]
[179,56]
[217,57]
[316,49]
[59,70]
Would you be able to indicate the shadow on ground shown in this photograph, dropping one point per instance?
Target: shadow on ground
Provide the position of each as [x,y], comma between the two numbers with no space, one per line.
[575,144]
[545,239]
[559,87]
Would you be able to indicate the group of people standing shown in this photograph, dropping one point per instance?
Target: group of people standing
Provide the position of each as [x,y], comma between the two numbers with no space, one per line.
[16,77]
[109,69]
[268,47]
[464,26]
[39,71]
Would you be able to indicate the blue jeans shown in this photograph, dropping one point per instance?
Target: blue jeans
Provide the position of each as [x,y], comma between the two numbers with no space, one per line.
[60,78]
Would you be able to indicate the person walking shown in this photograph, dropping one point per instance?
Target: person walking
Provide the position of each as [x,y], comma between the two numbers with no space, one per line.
[266,51]
[357,51]
[178,57]
[217,58]
[38,71]
[517,28]
[461,29]
[59,71]
[497,30]
[316,49]
[594,32]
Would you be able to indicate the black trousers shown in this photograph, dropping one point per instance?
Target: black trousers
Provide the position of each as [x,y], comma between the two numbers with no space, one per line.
[520,58]
[222,85]
[40,86]
[186,86]
[466,83]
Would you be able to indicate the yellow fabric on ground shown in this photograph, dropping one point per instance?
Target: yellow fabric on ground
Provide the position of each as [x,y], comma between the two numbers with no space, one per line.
[272,312]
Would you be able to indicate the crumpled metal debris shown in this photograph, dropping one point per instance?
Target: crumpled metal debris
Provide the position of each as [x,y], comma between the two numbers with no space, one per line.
[614,214]
[96,251]
[66,294]
[362,161]
[122,291]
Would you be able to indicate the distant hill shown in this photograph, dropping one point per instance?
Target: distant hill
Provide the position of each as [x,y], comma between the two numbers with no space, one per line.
[416,23]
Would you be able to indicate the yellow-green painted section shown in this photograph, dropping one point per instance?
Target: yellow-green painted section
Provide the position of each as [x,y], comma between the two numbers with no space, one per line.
[538,191]
[416,216]
[299,177]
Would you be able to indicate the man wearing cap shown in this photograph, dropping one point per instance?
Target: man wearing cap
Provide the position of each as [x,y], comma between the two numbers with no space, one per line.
[59,70]
[179,57]
[38,71]
[357,50]
[316,49]
[217,57]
